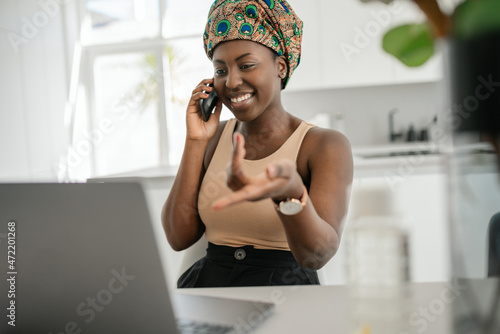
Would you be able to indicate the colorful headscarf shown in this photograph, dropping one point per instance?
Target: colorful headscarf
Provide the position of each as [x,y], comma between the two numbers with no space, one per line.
[272,23]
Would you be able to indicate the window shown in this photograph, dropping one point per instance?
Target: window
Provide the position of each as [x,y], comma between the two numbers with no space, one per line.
[140,61]
[112,21]
[126,97]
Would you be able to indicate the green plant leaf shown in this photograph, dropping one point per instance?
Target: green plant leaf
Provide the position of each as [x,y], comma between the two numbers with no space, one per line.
[412,44]
[474,18]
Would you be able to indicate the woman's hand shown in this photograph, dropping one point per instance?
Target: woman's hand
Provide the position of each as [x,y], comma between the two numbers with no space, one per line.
[280,180]
[196,128]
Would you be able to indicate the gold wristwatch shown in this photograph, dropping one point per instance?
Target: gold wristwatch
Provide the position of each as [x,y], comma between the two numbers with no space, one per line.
[292,206]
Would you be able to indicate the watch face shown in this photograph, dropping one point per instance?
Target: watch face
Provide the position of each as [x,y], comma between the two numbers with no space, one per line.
[291,207]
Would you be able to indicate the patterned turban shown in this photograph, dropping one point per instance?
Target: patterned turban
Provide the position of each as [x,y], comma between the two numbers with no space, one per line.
[272,23]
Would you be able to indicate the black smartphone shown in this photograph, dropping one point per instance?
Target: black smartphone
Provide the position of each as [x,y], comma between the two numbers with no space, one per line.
[207,105]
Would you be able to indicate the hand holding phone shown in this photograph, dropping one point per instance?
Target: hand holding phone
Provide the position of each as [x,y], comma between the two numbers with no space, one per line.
[207,105]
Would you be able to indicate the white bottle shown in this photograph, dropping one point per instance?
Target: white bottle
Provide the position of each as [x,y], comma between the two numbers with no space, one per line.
[377,261]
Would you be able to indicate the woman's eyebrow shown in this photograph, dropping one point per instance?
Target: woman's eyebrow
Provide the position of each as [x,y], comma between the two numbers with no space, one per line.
[236,59]
[242,56]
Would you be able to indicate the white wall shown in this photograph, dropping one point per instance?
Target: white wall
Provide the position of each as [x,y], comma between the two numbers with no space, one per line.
[36,47]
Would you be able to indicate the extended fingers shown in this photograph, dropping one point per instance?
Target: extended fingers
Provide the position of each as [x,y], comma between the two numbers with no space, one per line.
[250,192]
[233,198]
[274,182]
[281,169]
[239,150]
[236,176]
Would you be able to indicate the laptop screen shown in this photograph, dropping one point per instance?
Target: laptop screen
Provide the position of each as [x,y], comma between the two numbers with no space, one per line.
[80,258]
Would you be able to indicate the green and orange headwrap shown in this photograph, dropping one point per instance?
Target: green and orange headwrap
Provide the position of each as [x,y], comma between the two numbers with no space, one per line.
[272,23]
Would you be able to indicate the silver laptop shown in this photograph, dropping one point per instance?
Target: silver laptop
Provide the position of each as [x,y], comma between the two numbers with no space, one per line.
[82,258]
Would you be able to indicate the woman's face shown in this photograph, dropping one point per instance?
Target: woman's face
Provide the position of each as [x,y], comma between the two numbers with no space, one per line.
[247,77]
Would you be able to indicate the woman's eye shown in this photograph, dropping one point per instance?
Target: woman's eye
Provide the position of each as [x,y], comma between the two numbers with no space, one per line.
[243,67]
[219,72]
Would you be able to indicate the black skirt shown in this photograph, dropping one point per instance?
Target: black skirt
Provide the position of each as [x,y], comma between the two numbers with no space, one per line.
[225,266]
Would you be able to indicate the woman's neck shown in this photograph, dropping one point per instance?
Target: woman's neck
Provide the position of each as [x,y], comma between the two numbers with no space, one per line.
[269,124]
[265,135]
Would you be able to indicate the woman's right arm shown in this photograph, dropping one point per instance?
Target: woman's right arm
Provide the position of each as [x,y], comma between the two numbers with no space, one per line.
[180,219]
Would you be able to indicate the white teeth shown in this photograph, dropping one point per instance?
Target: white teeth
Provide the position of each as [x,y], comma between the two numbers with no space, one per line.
[241,98]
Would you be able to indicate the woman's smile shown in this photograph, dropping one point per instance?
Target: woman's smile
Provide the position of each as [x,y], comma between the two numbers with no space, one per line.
[247,77]
[241,100]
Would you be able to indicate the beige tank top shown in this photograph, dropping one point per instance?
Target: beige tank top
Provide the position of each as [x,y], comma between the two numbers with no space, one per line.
[247,223]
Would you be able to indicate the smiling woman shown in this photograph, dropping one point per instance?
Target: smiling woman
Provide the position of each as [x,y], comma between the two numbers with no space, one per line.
[239,60]
[268,190]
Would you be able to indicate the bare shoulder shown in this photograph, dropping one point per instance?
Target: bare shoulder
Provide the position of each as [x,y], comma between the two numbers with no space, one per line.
[326,151]
[321,142]
[212,144]
[327,138]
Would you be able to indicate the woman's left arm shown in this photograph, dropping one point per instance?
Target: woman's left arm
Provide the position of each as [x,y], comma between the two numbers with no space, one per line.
[314,233]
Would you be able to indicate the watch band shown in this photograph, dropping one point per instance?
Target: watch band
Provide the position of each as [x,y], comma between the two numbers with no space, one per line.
[292,206]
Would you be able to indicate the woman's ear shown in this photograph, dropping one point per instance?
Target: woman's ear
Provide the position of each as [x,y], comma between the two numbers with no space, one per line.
[282,67]
[282,70]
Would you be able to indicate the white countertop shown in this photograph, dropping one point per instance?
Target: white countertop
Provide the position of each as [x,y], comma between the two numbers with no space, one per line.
[398,159]
[331,309]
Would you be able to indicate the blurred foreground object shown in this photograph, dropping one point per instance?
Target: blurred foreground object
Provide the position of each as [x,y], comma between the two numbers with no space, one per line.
[378,259]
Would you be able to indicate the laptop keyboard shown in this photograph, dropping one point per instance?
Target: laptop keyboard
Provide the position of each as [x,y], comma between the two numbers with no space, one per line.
[196,327]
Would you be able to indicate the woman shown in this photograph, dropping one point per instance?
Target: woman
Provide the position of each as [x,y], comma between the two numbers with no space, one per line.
[269,191]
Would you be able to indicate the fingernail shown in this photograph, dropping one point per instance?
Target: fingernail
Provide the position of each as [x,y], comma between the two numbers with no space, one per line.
[271,171]
[216,206]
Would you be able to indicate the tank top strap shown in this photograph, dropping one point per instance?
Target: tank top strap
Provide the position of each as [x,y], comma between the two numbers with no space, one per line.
[294,142]
[225,146]
[289,149]
[228,131]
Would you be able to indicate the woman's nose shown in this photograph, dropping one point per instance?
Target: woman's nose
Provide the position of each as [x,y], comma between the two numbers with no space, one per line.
[233,80]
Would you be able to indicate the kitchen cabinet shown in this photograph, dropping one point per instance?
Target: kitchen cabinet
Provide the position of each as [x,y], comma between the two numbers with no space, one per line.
[342,45]
[352,52]
[421,202]
[308,74]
